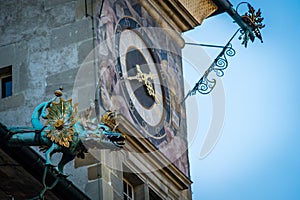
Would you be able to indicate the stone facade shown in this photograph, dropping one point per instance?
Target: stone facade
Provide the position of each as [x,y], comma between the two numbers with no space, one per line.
[46,43]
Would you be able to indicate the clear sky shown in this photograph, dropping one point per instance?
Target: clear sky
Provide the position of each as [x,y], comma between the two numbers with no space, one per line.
[258,153]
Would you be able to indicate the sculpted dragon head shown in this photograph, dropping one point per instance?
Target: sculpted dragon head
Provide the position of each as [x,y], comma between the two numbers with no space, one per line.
[65,128]
[64,131]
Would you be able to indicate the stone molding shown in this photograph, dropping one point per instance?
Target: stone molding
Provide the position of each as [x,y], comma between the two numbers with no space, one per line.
[179,15]
[138,143]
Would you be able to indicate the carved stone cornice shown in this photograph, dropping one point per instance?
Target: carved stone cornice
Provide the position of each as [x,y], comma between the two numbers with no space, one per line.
[136,142]
[179,15]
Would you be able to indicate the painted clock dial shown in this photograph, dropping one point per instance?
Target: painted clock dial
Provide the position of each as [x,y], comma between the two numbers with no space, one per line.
[143,83]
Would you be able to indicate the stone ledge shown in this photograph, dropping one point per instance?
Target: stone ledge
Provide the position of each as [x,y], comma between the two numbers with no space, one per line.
[12,102]
[88,160]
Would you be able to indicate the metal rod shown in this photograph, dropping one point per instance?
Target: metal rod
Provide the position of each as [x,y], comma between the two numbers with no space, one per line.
[85,6]
[237,18]
[97,95]
[101,8]
[204,45]
[203,79]
[228,43]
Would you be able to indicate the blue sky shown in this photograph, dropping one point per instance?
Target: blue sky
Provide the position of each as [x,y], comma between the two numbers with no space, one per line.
[258,153]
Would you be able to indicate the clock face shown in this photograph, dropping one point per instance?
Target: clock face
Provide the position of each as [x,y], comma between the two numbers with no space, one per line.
[142,81]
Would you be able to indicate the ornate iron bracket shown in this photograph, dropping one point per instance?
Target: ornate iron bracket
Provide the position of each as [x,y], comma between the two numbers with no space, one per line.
[250,23]
[205,85]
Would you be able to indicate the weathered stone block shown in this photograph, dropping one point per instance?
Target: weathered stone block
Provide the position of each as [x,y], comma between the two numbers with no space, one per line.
[52,3]
[94,172]
[85,51]
[20,78]
[93,189]
[99,171]
[88,160]
[32,3]
[62,14]
[7,55]
[37,62]
[81,10]
[21,52]
[99,189]
[72,33]
[9,20]
[40,41]
[117,184]
[12,102]
[65,79]
[62,59]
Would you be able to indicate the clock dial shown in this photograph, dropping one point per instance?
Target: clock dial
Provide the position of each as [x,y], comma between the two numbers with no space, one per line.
[143,86]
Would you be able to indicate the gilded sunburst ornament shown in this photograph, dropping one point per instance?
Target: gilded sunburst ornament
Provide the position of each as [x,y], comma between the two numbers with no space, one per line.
[61,117]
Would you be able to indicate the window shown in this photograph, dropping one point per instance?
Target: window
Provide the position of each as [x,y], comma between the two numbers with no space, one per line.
[127,190]
[6,82]
[133,186]
[153,195]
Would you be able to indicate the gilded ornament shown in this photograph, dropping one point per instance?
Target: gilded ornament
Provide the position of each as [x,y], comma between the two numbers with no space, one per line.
[61,117]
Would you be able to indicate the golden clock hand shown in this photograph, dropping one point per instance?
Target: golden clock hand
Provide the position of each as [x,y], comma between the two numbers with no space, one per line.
[144,76]
[151,91]
[136,77]
[138,69]
[140,76]
[151,76]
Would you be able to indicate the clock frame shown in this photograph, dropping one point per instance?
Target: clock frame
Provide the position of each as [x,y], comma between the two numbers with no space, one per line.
[150,113]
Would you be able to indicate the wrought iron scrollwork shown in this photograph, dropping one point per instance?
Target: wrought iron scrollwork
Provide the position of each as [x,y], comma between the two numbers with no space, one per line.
[221,63]
[205,85]
[250,23]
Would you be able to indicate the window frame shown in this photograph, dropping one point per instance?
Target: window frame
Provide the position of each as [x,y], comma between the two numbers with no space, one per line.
[6,73]
[129,187]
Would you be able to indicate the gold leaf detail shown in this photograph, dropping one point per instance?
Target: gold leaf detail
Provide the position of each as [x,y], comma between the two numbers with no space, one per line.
[61,118]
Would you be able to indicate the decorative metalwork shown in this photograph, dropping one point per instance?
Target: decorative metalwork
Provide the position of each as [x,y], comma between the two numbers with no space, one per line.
[63,132]
[109,119]
[254,20]
[61,118]
[250,23]
[45,186]
[205,85]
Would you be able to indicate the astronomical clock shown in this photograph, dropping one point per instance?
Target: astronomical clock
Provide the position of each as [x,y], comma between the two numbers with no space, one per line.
[140,77]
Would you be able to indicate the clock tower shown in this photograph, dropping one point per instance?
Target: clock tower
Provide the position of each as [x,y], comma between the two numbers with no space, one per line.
[140,77]
[127,56]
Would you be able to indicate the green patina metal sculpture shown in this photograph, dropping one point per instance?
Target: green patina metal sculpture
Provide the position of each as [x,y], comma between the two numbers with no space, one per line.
[64,131]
